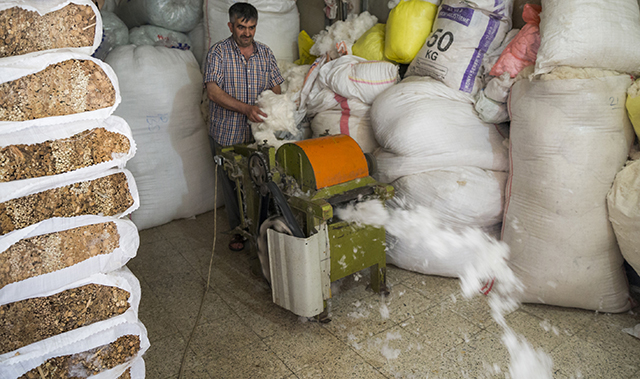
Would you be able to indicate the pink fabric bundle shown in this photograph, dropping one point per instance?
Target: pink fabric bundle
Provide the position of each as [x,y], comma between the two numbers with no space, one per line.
[523,49]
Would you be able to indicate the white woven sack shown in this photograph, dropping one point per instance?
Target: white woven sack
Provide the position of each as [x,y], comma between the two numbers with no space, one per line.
[39,134]
[343,121]
[19,365]
[47,6]
[157,36]
[127,247]
[356,78]
[278,25]
[46,183]
[173,166]
[460,38]
[623,203]
[423,125]
[460,196]
[589,33]
[178,15]
[569,138]
[122,278]
[137,369]
[13,69]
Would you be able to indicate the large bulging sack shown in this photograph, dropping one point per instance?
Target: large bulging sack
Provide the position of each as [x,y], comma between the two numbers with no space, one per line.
[408,27]
[423,125]
[460,38]
[351,118]
[623,203]
[569,138]
[356,78]
[596,34]
[173,166]
[278,25]
[178,15]
[31,27]
[460,196]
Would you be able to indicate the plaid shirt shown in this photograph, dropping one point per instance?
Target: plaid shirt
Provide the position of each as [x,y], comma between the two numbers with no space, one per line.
[228,68]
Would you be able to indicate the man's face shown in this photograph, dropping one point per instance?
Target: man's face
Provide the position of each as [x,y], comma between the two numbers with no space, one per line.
[243,31]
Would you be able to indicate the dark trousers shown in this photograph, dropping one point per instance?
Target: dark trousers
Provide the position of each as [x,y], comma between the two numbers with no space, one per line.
[229,192]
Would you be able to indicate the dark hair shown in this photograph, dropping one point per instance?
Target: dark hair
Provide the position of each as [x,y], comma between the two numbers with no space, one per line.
[242,12]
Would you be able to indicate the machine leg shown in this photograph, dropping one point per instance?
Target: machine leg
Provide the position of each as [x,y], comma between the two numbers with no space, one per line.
[379,279]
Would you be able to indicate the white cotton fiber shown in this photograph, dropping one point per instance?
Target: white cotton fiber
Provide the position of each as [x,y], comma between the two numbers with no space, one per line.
[485,271]
[293,75]
[280,118]
[348,31]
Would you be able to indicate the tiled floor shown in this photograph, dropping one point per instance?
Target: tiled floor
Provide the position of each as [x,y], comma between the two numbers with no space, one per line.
[431,332]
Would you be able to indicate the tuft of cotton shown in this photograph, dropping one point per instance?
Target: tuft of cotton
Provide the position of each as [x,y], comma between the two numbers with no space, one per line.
[347,31]
[280,118]
[387,351]
[526,362]
[293,75]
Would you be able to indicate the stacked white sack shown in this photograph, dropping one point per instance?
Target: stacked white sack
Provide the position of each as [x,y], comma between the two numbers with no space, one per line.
[592,34]
[77,349]
[569,139]
[341,94]
[63,191]
[439,156]
[161,89]
[278,25]
[461,37]
[178,15]
[423,125]
[623,204]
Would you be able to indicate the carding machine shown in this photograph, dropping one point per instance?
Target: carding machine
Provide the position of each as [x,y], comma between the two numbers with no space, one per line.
[287,199]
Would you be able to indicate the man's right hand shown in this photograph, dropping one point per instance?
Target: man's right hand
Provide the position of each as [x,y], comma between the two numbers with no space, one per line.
[254,113]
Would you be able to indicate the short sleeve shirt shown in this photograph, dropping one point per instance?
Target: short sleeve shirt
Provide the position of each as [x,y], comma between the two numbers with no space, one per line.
[244,80]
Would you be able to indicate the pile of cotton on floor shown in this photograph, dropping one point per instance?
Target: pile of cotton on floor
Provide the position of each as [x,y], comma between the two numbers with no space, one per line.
[68,304]
[570,136]
[436,151]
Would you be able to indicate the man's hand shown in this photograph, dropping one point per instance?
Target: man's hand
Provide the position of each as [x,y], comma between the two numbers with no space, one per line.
[254,113]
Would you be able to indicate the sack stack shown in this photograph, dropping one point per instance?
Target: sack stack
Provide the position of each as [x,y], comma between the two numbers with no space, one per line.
[570,136]
[341,93]
[68,304]
[436,151]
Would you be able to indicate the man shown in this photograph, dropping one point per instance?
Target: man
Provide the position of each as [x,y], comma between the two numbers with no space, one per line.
[237,70]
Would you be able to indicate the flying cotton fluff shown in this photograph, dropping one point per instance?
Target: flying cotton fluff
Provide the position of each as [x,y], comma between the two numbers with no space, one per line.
[486,270]
[347,31]
[280,110]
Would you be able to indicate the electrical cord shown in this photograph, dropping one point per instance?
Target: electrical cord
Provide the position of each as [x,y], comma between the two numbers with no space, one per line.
[206,290]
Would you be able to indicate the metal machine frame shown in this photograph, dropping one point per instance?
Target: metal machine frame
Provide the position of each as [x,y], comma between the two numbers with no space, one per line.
[281,182]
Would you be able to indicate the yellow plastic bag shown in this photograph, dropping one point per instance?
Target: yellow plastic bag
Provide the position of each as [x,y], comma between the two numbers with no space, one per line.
[633,106]
[370,45]
[408,27]
[304,45]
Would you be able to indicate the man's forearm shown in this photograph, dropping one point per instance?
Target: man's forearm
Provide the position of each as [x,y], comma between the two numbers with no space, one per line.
[223,99]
